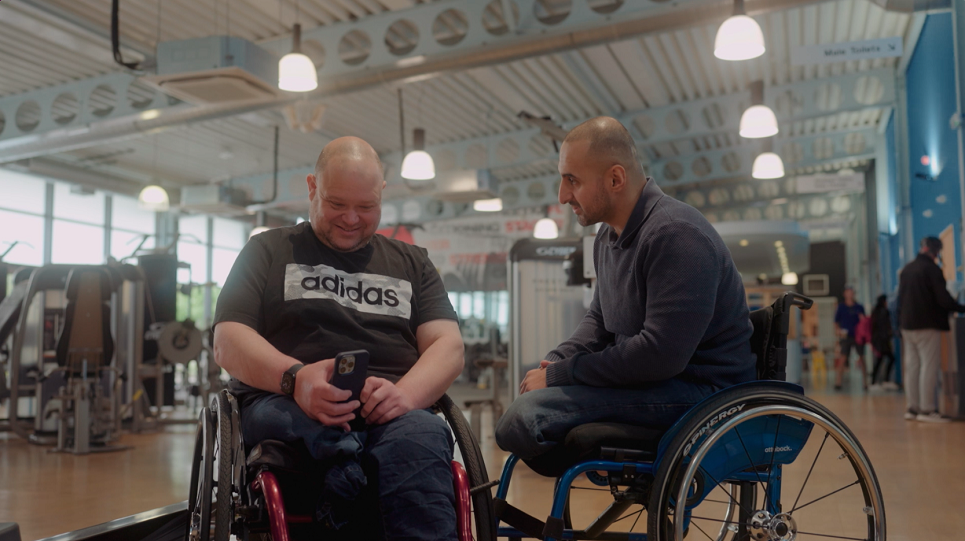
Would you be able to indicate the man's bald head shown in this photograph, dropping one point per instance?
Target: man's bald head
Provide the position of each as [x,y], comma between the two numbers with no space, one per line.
[609,142]
[349,149]
[345,194]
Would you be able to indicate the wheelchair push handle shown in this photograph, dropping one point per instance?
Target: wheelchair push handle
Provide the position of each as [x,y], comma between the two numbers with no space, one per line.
[796,299]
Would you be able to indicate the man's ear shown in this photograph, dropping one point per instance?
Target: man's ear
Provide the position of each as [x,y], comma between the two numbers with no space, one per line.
[617,178]
[312,185]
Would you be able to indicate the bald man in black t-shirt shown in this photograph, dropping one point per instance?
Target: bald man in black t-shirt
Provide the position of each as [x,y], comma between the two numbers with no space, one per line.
[296,297]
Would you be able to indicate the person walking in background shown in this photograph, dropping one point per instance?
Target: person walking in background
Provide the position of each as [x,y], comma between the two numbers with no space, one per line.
[881,336]
[924,306]
[846,321]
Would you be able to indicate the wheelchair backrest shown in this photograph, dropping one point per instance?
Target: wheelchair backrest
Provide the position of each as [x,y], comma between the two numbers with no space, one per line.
[769,341]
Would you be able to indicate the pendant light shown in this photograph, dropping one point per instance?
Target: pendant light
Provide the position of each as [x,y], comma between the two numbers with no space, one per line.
[546,228]
[767,164]
[739,37]
[154,198]
[296,72]
[758,120]
[418,164]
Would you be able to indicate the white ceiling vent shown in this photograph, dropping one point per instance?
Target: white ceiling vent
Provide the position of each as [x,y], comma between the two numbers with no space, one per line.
[215,70]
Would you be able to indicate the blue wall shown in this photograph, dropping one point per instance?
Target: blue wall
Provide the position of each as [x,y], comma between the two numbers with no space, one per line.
[931,101]
[889,260]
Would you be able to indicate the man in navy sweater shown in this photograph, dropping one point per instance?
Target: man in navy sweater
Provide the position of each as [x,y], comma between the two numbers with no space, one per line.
[668,324]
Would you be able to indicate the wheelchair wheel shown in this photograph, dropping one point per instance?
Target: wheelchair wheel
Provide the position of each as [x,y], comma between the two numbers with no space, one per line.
[482,500]
[209,500]
[765,464]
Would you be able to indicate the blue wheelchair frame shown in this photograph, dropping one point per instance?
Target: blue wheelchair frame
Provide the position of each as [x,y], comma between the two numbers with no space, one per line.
[733,473]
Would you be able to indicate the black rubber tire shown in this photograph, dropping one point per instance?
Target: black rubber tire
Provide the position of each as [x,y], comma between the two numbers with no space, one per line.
[222,511]
[758,395]
[201,476]
[482,501]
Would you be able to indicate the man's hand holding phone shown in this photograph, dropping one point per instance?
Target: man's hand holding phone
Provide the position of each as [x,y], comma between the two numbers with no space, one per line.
[320,399]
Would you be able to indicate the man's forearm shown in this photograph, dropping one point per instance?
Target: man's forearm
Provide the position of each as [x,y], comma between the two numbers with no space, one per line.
[438,366]
[247,356]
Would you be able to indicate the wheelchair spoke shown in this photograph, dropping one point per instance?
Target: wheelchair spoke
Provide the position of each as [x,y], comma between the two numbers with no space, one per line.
[757,473]
[731,496]
[833,536]
[701,529]
[823,497]
[628,515]
[806,479]
[634,525]
[770,467]
[722,521]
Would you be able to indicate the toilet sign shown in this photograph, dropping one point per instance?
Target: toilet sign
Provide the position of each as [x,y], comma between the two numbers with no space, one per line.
[839,52]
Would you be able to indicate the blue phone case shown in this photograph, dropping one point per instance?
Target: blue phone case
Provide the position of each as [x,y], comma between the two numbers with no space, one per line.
[351,369]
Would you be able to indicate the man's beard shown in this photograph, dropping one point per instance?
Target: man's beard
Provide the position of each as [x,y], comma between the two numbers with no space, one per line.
[328,241]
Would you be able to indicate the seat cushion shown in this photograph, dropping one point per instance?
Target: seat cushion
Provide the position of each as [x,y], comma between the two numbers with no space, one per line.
[596,441]
[279,455]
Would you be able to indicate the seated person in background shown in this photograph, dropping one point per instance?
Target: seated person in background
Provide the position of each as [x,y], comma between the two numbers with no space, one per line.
[296,297]
[668,324]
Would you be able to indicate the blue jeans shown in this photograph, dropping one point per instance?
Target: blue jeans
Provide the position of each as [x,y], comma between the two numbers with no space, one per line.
[539,420]
[408,459]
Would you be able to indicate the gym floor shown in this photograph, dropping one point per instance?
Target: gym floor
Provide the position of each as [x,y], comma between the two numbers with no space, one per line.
[920,467]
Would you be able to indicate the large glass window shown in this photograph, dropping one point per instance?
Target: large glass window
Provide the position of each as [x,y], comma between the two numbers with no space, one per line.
[230,234]
[28,231]
[126,215]
[129,225]
[86,208]
[75,243]
[23,193]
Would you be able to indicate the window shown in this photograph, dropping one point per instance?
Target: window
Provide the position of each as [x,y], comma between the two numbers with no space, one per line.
[230,234]
[86,208]
[28,232]
[78,244]
[126,215]
[22,193]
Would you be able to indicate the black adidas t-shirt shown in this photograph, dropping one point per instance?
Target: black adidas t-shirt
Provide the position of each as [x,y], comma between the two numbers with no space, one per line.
[312,302]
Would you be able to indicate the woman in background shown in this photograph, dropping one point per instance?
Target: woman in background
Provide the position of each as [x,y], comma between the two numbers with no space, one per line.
[881,337]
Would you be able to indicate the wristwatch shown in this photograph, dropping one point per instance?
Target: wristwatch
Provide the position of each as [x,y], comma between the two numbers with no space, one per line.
[288,379]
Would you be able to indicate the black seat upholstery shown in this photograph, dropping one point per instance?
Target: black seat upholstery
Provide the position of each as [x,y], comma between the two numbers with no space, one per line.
[608,441]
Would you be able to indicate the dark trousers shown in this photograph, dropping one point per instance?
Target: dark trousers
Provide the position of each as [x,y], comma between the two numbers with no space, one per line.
[408,459]
[539,420]
[886,376]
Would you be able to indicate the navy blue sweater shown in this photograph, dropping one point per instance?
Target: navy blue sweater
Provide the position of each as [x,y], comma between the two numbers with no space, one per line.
[669,303]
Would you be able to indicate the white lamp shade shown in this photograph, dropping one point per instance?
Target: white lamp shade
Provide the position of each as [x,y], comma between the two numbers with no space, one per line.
[739,38]
[789,279]
[487,205]
[546,228]
[418,165]
[767,165]
[758,121]
[297,73]
[257,230]
[153,198]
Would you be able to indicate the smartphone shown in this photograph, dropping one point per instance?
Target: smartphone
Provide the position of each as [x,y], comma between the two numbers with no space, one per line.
[351,369]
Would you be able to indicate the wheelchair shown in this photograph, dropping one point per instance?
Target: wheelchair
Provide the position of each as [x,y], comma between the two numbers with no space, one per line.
[739,466]
[270,491]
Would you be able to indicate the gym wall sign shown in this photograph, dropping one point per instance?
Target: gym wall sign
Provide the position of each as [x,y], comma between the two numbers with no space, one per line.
[838,52]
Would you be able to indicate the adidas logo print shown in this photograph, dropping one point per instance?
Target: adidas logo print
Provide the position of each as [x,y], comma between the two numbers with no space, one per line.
[369,293]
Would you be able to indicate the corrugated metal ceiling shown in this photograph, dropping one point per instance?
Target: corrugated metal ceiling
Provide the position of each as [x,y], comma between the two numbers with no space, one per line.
[649,71]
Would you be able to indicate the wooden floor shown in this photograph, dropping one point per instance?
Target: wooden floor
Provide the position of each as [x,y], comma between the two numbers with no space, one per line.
[921,468]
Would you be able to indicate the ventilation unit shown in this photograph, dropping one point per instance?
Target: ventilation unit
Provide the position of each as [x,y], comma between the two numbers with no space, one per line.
[214,199]
[216,70]
[464,186]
